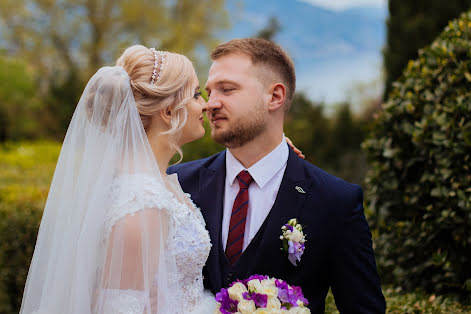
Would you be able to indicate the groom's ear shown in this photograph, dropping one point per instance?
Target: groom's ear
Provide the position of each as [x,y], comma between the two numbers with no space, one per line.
[278,96]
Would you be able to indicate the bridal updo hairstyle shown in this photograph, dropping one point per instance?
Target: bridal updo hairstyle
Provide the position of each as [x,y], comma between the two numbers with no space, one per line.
[172,90]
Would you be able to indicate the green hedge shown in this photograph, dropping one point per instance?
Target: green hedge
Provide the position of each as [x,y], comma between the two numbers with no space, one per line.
[18,230]
[399,302]
[419,185]
[26,171]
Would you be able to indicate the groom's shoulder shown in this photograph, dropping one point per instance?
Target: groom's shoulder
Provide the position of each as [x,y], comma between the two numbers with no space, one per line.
[330,183]
[195,165]
[338,195]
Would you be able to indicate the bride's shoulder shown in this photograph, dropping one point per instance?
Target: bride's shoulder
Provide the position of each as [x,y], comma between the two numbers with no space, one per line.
[139,191]
[130,194]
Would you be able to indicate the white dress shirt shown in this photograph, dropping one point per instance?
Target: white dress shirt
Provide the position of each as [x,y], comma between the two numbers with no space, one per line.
[267,174]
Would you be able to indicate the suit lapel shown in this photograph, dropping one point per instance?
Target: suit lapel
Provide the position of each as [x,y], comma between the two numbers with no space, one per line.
[210,200]
[289,201]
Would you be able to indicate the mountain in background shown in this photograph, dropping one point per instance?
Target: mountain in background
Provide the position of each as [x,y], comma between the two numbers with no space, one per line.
[332,50]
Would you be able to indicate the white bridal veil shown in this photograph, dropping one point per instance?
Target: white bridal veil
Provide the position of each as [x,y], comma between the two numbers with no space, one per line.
[93,248]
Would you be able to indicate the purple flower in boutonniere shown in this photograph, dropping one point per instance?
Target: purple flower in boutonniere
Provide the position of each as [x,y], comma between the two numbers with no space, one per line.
[293,240]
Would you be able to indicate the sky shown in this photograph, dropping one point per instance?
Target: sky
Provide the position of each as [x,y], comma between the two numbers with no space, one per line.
[335,44]
[339,5]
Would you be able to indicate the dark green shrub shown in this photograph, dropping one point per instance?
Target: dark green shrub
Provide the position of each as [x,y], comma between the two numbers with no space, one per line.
[419,185]
[18,230]
[25,174]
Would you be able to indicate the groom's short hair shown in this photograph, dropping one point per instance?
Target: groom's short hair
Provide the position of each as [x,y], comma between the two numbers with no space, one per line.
[276,63]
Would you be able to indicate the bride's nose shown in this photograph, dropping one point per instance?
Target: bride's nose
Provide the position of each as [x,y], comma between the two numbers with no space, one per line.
[204,106]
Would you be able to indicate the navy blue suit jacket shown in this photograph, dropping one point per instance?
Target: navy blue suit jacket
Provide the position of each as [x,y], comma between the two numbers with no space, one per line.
[338,250]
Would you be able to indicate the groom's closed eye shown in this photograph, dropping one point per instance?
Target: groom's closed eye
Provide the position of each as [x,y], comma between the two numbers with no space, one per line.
[227,90]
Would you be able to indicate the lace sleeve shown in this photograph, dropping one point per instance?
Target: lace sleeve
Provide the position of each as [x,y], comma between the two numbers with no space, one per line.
[132,193]
[138,265]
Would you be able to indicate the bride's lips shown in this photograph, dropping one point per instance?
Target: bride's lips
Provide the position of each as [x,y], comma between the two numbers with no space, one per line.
[201,120]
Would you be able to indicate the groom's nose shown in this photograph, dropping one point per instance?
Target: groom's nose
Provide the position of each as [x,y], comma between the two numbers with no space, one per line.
[213,102]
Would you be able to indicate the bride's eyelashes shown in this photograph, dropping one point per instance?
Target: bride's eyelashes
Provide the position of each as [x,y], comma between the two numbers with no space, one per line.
[197,92]
[197,95]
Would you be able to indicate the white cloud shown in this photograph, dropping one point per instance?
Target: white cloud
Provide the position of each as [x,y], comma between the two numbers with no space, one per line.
[331,80]
[339,5]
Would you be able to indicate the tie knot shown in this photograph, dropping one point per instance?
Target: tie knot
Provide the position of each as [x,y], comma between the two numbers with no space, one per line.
[244,179]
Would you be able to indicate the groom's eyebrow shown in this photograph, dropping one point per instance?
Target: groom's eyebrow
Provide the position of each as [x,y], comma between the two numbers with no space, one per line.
[222,82]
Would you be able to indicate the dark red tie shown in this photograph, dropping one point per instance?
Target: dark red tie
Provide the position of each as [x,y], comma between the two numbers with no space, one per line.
[235,238]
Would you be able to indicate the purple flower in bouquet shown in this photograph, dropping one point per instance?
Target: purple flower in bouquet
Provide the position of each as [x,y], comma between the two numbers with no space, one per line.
[259,299]
[245,281]
[227,304]
[298,294]
[260,292]
[289,295]
[282,291]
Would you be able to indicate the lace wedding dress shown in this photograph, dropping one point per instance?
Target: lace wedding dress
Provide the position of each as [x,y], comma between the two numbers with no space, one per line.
[188,243]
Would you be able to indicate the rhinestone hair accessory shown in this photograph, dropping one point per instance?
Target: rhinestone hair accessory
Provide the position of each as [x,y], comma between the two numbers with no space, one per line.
[157,53]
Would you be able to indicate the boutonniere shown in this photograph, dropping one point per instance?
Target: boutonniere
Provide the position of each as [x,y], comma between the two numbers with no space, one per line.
[293,240]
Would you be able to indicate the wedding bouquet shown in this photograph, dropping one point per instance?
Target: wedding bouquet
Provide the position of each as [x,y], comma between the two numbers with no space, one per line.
[261,294]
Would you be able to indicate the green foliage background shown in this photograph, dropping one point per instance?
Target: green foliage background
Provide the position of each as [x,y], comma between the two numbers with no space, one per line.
[26,171]
[412,25]
[419,186]
[18,100]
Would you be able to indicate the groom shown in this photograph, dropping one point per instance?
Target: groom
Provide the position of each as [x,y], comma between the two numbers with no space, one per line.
[249,191]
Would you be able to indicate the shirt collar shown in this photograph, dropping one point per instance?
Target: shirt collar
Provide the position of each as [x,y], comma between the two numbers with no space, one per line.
[264,169]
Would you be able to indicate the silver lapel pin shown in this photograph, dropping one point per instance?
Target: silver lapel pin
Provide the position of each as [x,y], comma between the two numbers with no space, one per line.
[299,189]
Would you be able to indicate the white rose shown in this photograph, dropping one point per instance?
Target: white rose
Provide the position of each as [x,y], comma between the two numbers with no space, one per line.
[246,306]
[296,236]
[262,311]
[270,291]
[269,281]
[254,285]
[273,304]
[273,311]
[236,291]
[299,310]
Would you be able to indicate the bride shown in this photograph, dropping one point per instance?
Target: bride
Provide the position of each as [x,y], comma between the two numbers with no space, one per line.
[117,234]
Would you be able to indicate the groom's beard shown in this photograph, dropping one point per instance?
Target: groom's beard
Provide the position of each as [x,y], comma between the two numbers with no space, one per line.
[242,129]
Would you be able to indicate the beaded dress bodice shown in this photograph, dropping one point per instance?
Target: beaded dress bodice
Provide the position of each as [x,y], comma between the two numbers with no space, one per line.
[187,242]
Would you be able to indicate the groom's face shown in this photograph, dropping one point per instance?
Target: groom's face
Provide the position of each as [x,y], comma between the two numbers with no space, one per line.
[237,108]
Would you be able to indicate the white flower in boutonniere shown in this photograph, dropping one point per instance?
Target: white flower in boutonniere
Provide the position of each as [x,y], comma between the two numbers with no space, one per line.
[293,240]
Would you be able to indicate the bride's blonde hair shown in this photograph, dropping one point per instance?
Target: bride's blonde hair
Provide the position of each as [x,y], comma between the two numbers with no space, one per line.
[172,90]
